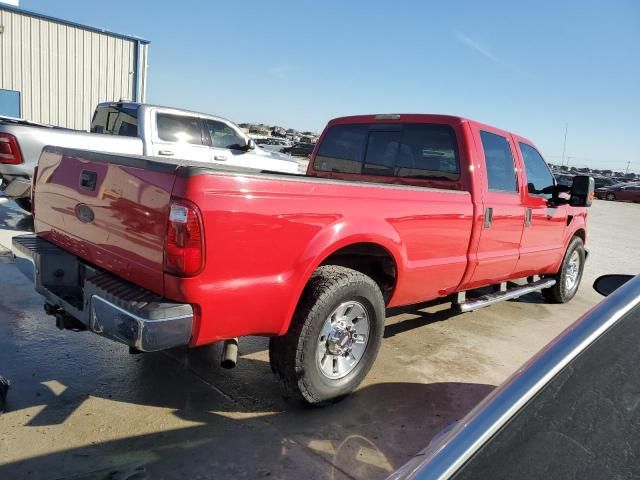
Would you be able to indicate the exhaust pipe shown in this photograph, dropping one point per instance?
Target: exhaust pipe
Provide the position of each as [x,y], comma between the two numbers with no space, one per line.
[229,353]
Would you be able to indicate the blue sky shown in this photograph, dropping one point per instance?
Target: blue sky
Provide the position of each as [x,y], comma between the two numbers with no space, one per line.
[527,68]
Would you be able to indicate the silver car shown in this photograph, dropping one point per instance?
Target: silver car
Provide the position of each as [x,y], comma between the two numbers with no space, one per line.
[136,129]
[573,412]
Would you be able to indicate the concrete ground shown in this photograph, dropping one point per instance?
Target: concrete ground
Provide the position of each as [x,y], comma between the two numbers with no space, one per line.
[81,407]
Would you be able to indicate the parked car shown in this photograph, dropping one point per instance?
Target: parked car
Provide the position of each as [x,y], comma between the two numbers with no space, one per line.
[603,182]
[571,412]
[137,129]
[564,179]
[274,144]
[621,191]
[394,210]
[300,149]
[21,142]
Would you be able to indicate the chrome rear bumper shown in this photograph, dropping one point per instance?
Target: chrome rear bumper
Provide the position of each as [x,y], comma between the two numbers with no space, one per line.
[106,304]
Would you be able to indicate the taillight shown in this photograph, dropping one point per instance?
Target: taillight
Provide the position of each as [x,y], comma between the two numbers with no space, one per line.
[9,150]
[184,244]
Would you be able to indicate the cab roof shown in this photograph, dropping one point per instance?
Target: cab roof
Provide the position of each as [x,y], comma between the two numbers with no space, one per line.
[418,118]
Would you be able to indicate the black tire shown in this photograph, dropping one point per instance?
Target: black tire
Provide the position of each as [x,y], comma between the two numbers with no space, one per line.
[560,293]
[24,203]
[610,196]
[293,355]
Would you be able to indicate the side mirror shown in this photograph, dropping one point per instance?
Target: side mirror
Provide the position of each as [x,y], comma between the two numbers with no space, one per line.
[607,284]
[582,191]
[251,144]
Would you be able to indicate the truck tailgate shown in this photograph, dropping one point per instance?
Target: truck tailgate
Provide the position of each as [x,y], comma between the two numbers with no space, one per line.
[110,210]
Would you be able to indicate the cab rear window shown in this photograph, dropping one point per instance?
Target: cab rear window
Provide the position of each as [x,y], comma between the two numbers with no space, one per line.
[115,120]
[425,151]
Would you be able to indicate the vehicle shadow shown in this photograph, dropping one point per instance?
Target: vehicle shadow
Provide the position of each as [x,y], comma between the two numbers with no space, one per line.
[205,421]
[419,317]
[91,407]
[367,435]
[14,218]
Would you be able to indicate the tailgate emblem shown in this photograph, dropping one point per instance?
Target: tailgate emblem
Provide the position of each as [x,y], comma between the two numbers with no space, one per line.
[84,213]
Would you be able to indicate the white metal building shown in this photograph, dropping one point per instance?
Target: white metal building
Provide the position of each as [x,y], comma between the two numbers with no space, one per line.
[54,71]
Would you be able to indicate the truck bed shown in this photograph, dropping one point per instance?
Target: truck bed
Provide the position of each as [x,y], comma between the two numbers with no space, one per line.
[129,199]
[264,232]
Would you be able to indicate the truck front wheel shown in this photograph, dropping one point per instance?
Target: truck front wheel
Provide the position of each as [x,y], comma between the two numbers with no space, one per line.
[334,336]
[570,273]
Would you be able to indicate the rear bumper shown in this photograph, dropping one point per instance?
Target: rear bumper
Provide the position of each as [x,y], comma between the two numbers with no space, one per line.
[104,303]
[16,187]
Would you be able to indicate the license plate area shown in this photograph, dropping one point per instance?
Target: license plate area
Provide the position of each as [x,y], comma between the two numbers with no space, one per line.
[59,273]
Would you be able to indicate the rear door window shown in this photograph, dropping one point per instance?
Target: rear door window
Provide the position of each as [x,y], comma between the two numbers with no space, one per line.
[501,170]
[179,128]
[425,151]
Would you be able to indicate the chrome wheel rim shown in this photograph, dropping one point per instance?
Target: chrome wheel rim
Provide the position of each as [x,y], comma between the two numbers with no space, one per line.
[573,271]
[343,340]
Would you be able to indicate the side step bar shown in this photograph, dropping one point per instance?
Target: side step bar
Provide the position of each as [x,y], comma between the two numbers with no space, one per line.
[490,299]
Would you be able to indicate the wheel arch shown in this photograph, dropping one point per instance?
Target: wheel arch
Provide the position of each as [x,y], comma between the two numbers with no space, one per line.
[580,233]
[579,230]
[370,258]
[374,254]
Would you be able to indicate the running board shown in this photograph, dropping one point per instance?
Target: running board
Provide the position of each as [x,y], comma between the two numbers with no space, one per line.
[496,297]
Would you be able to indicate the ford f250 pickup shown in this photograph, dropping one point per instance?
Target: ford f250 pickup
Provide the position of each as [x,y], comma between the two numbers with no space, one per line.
[394,210]
[136,129]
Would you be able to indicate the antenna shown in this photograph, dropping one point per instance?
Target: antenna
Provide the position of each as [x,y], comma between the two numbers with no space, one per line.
[564,145]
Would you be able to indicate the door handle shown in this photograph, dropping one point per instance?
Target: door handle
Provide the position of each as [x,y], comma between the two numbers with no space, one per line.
[166,153]
[220,158]
[528,215]
[488,217]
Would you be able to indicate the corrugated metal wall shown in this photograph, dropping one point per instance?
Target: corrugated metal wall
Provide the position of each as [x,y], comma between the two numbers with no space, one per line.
[62,71]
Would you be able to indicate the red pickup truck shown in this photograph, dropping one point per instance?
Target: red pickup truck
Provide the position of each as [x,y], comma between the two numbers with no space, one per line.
[394,210]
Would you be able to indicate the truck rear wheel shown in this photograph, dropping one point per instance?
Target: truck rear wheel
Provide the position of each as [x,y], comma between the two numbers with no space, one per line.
[334,337]
[570,273]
